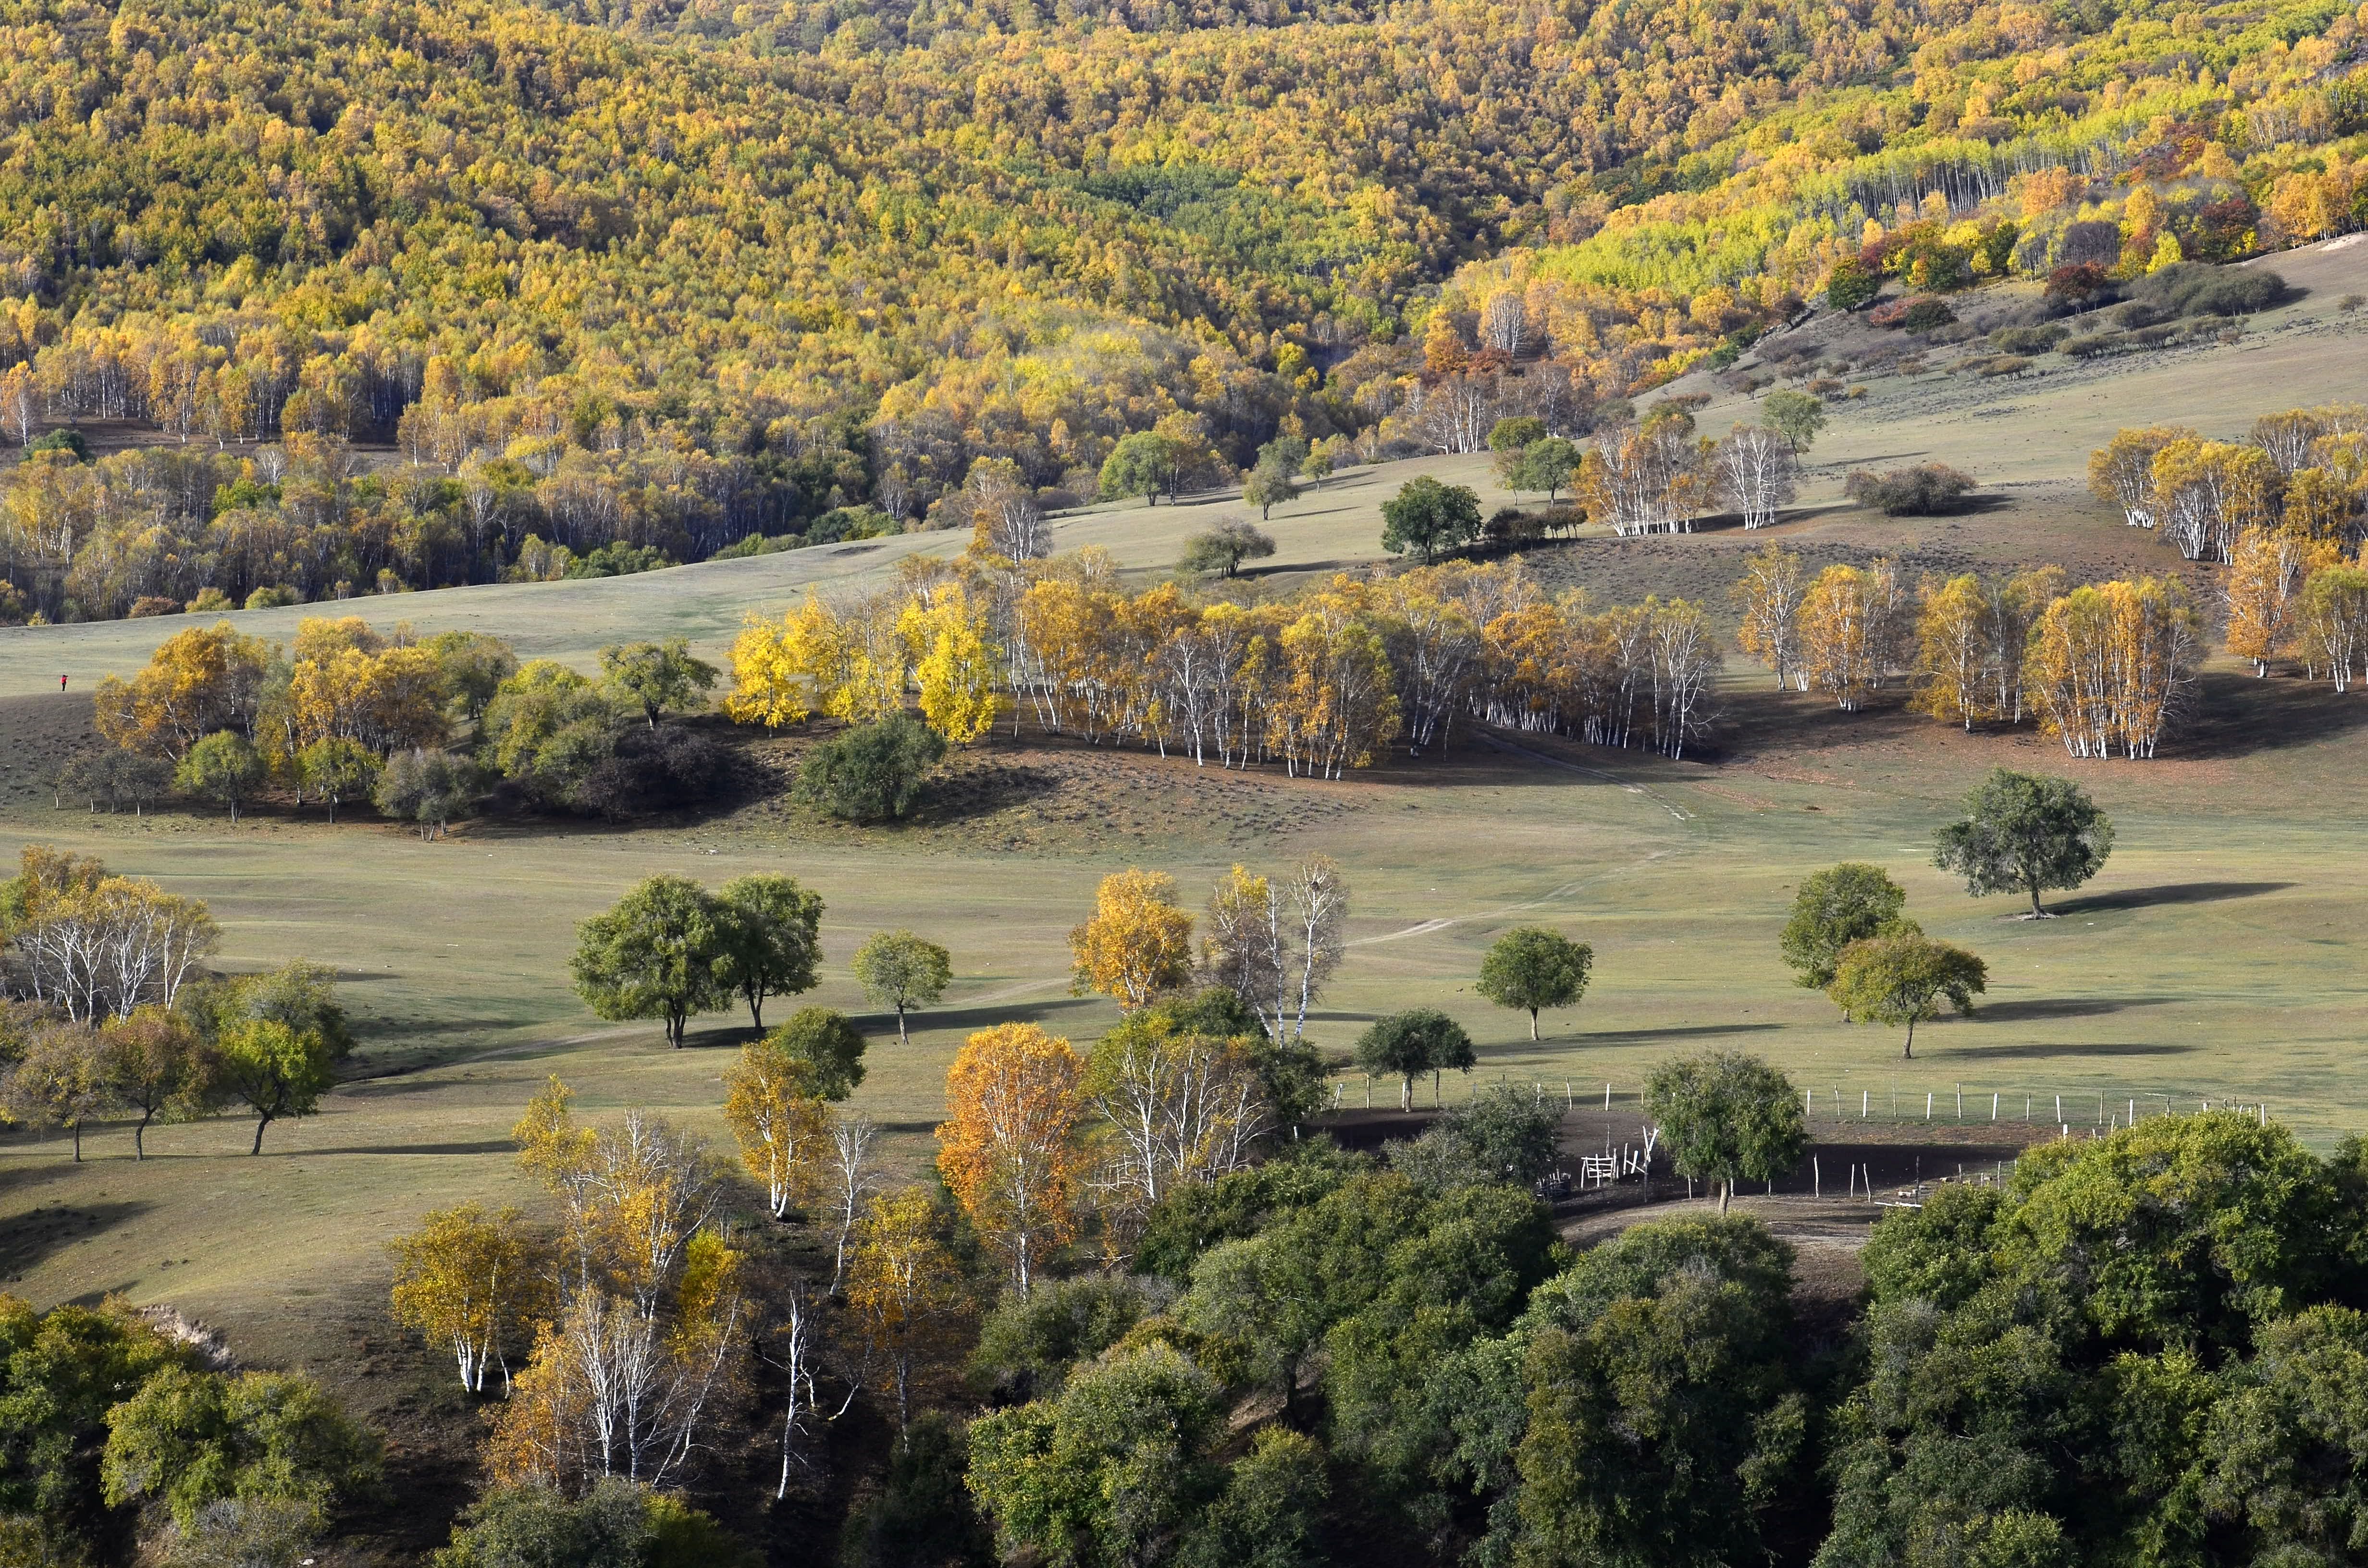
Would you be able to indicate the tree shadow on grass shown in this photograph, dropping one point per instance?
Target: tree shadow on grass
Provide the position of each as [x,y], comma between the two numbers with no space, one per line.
[2064,1007]
[1674,1031]
[478,1146]
[2052,1052]
[29,1238]
[2169,892]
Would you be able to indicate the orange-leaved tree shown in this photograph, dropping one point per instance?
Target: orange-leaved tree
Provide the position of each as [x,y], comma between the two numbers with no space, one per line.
[1138,943]
[1008,1148]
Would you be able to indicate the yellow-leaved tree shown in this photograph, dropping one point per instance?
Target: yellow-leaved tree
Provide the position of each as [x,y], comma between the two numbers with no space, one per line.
[1138,944]
[2267,573]
[955,662]
[474,1282]
[1008,1147]
[904,1286]
[647,1340]
[782,1125]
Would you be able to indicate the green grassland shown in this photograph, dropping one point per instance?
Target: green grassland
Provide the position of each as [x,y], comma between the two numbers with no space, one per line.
[2215,956]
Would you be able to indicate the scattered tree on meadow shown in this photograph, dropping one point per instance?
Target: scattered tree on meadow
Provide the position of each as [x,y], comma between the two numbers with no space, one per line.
[2025,833]
[1143,463]
[60,1082]
[1544,466]
[769,929]
[1007,1149]
[1531,968]
[1900,975]
[658,953]
[1795,415]
[829,1044]
[1418,1040]
[276,1039]
[474,1282]
[900,970]
[1223,549]
[1430,518]
[154,1062]
[1138,944]
[1834,908]
[1267,486]
[1725,1115]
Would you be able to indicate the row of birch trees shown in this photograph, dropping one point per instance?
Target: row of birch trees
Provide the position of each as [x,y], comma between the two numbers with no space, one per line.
[2108,668]
[1320,683]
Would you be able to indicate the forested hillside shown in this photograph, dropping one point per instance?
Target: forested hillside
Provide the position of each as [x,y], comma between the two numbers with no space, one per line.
[673,278]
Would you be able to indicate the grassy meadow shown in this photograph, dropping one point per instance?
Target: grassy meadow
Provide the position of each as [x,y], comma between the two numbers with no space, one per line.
[2217,956]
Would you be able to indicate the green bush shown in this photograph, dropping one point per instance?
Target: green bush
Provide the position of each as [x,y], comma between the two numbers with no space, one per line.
[872,773]
[1925,490]
[617,559]
[188,1439]
[615,1524]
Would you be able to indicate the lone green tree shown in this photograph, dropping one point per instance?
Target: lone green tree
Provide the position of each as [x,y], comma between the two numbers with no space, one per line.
[1428,516]
[1902,976]
[656,678]
[830,1045]
[901,971]
[1223,547]
[1725,1115]
[1544,466]
[276,1071]
[1269,485]
[1795,415]
[659,953]
[276,1039]
[1835,907]
[1531,968]
[223,767]
[1418,1040]
[2025,832]
[771,935]
[1141,464]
